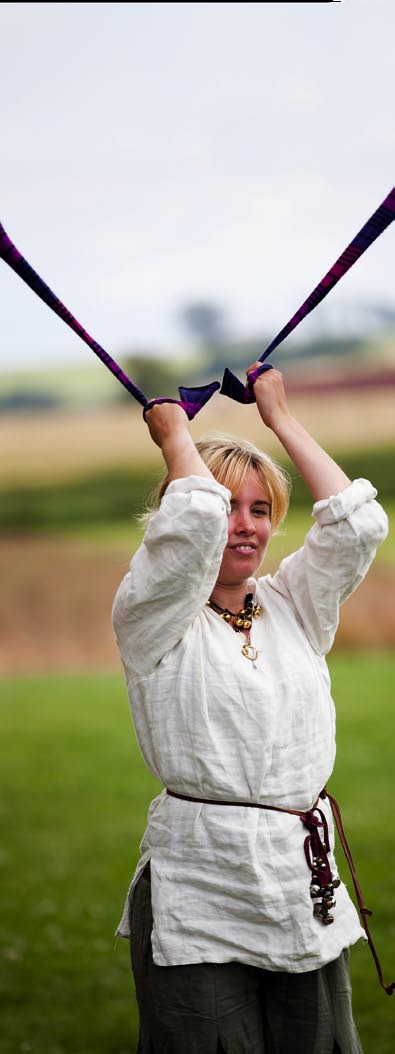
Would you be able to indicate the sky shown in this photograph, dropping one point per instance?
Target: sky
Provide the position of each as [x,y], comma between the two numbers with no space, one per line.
[153,155]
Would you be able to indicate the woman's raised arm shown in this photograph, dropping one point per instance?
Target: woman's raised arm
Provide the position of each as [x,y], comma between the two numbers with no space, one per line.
[169,428]
[321,474]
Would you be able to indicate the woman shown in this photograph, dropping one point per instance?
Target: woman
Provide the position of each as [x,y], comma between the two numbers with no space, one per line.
[237,944]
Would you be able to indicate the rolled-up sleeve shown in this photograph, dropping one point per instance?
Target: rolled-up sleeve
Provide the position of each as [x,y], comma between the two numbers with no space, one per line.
[333,561]
[173,572]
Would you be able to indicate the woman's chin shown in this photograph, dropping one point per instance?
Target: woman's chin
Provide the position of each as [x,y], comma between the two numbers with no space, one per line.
[241,566]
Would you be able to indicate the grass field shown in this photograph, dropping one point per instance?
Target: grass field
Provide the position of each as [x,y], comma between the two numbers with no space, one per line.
[75,796]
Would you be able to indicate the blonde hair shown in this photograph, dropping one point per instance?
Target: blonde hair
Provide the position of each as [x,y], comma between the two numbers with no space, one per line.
[229,459]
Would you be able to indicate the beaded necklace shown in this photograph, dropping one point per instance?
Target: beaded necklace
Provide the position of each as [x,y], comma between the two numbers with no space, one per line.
[241,620]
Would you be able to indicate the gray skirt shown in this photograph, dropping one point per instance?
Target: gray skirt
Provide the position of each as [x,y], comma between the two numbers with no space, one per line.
[231,1008]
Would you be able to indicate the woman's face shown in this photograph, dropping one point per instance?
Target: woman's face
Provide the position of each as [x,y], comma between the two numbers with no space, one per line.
[249,530]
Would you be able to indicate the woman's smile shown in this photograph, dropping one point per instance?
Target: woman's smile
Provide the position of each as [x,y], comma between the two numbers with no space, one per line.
[243,549]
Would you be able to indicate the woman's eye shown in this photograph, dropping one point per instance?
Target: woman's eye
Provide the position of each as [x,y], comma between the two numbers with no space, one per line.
[260,512]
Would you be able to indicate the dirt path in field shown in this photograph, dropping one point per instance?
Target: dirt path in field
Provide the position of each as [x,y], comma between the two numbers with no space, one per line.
[56,598]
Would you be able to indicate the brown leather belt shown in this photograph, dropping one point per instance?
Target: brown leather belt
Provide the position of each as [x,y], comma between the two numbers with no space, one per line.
[316,849]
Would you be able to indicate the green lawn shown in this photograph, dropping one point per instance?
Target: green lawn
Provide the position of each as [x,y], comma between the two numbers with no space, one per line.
[74,801]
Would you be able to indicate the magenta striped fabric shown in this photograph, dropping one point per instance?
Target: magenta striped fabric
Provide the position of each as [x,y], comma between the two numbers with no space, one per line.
[193,399]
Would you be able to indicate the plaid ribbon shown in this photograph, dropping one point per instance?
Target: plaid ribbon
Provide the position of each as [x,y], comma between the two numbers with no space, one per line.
[193,399]
[377,223]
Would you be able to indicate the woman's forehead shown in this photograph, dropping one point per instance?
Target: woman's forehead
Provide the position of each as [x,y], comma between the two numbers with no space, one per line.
[251,489]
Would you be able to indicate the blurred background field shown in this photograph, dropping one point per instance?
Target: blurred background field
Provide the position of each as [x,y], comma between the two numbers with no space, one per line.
[75,478]
[75,798]
[75,789]
[182,197]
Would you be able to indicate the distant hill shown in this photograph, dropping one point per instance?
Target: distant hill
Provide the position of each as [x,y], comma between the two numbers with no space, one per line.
[66,386]
[322,362]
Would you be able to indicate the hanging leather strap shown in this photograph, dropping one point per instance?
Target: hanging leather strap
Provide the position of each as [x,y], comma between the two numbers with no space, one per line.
[363,910]
[307,818]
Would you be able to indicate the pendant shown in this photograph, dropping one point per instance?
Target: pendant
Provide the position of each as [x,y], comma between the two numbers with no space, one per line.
[249,652]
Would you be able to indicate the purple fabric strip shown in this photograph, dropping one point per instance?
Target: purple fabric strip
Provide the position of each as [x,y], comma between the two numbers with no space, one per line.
[377,223]
[192,399]
[10,254]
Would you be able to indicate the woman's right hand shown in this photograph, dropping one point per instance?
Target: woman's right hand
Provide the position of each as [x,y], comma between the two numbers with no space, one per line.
[169,428]
[165,420]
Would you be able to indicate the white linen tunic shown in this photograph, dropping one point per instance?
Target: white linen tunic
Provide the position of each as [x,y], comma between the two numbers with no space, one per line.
[232,883]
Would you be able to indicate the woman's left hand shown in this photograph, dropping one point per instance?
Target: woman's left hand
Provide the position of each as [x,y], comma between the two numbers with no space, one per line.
[321,474]
[270,396]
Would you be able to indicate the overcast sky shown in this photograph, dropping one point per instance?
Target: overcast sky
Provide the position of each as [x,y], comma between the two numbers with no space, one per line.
[154,154]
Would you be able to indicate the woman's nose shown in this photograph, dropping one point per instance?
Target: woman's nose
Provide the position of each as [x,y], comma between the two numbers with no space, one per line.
[244,523]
